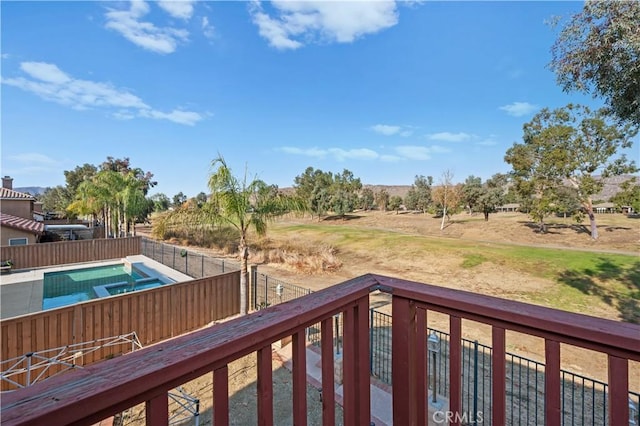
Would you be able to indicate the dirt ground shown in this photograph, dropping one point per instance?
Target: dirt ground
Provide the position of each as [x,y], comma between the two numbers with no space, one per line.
[618,234]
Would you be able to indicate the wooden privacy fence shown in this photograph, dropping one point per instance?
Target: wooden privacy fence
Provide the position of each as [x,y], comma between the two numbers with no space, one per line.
[155,315]
[59,253]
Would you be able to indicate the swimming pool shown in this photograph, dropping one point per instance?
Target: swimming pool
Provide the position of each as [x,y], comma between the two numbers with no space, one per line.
[78,285]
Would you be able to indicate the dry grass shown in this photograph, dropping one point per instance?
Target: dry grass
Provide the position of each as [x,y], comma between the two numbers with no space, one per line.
[299,256]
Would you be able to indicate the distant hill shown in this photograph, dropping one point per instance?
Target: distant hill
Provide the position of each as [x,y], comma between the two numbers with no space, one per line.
[33,190]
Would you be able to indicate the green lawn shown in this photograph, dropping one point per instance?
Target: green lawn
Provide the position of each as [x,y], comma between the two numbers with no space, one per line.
[583,278]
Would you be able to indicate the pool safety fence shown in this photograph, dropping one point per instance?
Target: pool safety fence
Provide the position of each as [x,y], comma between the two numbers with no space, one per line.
[196,265]
[267,291]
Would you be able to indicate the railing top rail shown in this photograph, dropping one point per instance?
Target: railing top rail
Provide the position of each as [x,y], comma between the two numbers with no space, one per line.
[613,337]
[103,389]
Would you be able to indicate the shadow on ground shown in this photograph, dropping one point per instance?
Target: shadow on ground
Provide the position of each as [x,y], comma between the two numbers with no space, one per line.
[597,281]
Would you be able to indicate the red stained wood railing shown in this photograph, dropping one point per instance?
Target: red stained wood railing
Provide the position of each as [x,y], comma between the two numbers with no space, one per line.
[455,366]
[552,411]
[221,395]
[328,378]
[299,379]
[498,364]
[104,389]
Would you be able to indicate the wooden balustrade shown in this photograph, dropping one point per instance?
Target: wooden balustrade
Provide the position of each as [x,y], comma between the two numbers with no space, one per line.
[89,395]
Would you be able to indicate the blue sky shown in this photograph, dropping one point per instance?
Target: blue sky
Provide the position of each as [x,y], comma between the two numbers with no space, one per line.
[388,90]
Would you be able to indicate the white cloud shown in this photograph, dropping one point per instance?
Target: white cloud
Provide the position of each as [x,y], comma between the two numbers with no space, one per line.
[414,152]
[273,31]
[207,29]
[182,9]
[5,56]
[487,142]
[437,149]
[177,116]
[32,158]
[385,129]
[339,154]
[355,154]
[299,22]
[404,152]
[390,158]
[144,34]
[518,109]
[309,152]
[449,137]
[50,83]
[45,72]
[419,152]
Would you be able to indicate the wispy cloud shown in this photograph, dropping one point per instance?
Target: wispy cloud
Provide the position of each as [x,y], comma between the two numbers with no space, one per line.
[400,153]
[52,84]
[207,29]
[339,154]
[353,154]
[490,141]
[449,137]
[30,164]
[182,9]
[143,33]
[295,23]
[518,109]
[32,158]
[419,152]
[387,130]
[5,56]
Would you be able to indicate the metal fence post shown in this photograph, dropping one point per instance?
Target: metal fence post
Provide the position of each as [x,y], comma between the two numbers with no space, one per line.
[370,341]
[337,333]
[266,291]
[202,266]
[186,262]
[253,285]
[223,266]
[174,258]
[475,381]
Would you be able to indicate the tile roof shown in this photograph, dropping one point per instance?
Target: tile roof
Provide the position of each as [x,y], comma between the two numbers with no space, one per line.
[21,223]
[6,193]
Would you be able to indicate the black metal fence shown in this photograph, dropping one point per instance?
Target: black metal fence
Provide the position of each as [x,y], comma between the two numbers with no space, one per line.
[196,265]
[584,400]
[269,291]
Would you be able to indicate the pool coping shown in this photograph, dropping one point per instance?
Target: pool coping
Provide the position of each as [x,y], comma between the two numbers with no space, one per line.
[22,290]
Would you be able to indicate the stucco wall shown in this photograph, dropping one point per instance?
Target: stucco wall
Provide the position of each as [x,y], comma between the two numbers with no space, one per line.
[8,233]
[20,208]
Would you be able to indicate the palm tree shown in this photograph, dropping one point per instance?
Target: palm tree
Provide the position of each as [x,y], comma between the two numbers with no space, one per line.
[245,204]
[133,200]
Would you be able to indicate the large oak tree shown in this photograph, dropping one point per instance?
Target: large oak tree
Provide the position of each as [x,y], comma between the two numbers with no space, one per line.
[571,145]
[598,52]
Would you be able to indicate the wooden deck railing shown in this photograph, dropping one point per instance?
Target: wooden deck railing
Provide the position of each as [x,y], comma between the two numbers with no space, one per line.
[91,394]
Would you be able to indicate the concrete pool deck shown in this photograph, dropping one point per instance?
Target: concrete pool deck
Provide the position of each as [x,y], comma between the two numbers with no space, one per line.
[21,291]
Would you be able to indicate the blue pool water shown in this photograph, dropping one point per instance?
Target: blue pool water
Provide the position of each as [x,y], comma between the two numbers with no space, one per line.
[69,287]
